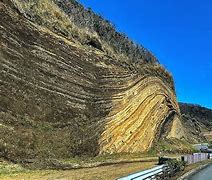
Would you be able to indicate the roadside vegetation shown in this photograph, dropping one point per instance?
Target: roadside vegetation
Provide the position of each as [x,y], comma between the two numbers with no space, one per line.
[191,167]
[7,168]
[172,146]
[106,172]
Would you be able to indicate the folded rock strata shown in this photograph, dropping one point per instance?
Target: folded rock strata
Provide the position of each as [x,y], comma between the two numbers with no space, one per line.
[60,98]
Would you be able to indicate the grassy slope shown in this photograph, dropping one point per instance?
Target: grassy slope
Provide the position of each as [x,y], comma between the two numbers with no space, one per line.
[104,173]
[196,120]
[11,171]
[46,14]
[173,146]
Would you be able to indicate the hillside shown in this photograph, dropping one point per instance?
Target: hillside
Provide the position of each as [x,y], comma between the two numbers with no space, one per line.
[67,90]
[198,122]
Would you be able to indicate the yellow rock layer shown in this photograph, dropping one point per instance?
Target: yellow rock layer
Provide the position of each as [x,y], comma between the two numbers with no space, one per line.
[134,125]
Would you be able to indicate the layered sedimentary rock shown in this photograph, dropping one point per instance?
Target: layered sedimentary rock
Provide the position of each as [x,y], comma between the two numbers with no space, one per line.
[197,121]
[61,98]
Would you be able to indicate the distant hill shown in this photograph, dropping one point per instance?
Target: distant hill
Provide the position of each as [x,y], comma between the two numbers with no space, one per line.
[197,120]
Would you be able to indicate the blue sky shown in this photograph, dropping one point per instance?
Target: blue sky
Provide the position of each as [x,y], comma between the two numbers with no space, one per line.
[177,32]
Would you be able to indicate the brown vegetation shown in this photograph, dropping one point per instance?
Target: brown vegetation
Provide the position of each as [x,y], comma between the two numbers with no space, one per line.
[63,95]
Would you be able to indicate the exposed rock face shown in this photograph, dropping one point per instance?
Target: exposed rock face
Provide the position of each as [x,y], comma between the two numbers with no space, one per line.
[60,98]
[198,122]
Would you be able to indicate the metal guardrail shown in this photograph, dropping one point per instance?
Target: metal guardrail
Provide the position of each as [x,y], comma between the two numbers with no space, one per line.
[164,172]
[152,173]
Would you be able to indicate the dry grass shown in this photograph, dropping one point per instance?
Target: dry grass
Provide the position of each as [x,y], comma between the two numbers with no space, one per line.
[124,164]
[47,14]
[7,168]
[173,145]
[104,173]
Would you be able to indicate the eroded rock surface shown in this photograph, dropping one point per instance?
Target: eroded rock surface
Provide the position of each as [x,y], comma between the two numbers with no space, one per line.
[198,122]
[62,98]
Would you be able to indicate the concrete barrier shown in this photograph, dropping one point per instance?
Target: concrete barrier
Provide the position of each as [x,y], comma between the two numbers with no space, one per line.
[194,158]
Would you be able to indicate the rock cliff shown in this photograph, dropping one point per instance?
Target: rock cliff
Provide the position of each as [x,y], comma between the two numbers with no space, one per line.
[198,122]
[67,90]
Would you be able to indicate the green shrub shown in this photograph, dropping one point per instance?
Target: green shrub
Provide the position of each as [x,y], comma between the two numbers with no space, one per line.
[176,165]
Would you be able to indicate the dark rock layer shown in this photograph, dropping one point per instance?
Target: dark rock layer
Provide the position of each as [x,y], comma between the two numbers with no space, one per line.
[198,122]
[60,98]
